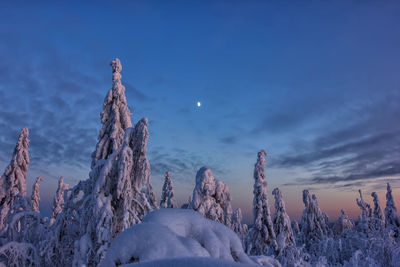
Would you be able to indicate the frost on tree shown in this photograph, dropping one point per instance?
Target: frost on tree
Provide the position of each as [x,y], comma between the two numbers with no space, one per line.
[58,246]
[282,223]
[378,219]
[13,181]
[392,219]
[314,222]
[167,196]
[237,226]
[211,197]
[344,222]
[122,195]
[115,117]
[35,198]
[58,200]
[261,237]
[364,221]
[19,254]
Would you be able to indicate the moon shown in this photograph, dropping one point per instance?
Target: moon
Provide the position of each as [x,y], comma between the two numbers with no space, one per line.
[198,104]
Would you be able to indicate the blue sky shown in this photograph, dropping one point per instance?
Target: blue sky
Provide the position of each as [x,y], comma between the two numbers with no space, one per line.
[315,83]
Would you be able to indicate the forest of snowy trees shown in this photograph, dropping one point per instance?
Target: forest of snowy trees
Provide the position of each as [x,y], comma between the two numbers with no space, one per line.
[104,220]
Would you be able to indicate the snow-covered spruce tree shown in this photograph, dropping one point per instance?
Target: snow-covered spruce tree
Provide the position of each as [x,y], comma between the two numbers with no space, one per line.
[121,197]
[282,224]
[314,222]
[364,221]
[287,253]
[378,219]
[117,195]
[35,198]
[316,234]
[344,222]
[57,248]
[58,200]
[237,226]
[167,196]
[211,197]
[24,225]
[13,181]
[21,227]
[140,165]
[392,219]
[115,117]
[261,237]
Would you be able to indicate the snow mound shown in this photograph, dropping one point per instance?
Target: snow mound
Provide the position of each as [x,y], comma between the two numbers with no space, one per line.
[177,233]
[150,241]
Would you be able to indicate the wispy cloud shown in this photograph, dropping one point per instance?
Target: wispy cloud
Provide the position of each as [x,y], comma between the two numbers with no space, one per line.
[352,155]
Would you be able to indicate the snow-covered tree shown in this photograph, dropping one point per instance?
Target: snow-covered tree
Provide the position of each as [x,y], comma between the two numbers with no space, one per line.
[237,226]
[378,219]
[121,196]
[167,195]
[344,222]
[35,198]
[282,224]
[364,221]
[314,222]
[392,219]
[211,197]
[13,181]
[261,236]
[378,214]
[19,254]
[58,199]
[57,248]
[140,164]
[115,117]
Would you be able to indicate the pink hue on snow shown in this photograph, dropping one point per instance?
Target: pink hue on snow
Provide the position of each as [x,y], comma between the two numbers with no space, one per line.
[115,117]
[35,198]
[211,197]
[177,233]
[13,181]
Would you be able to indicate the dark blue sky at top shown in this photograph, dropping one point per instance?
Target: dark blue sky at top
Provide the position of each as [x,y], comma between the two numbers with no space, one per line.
[316,83]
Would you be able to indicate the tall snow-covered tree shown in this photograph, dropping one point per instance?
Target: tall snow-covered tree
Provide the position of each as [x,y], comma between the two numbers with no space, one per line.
[392,219]
[140,165]
[13,181]
[378,214]
[167,195]
[58,200]
[115,117]
[364,221]
[261,237]
[378,219]
[314,222]
[121,197]
[282,223]
[211,197]
[35,198]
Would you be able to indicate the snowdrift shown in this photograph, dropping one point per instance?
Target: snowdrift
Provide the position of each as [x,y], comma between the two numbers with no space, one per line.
[177,233]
